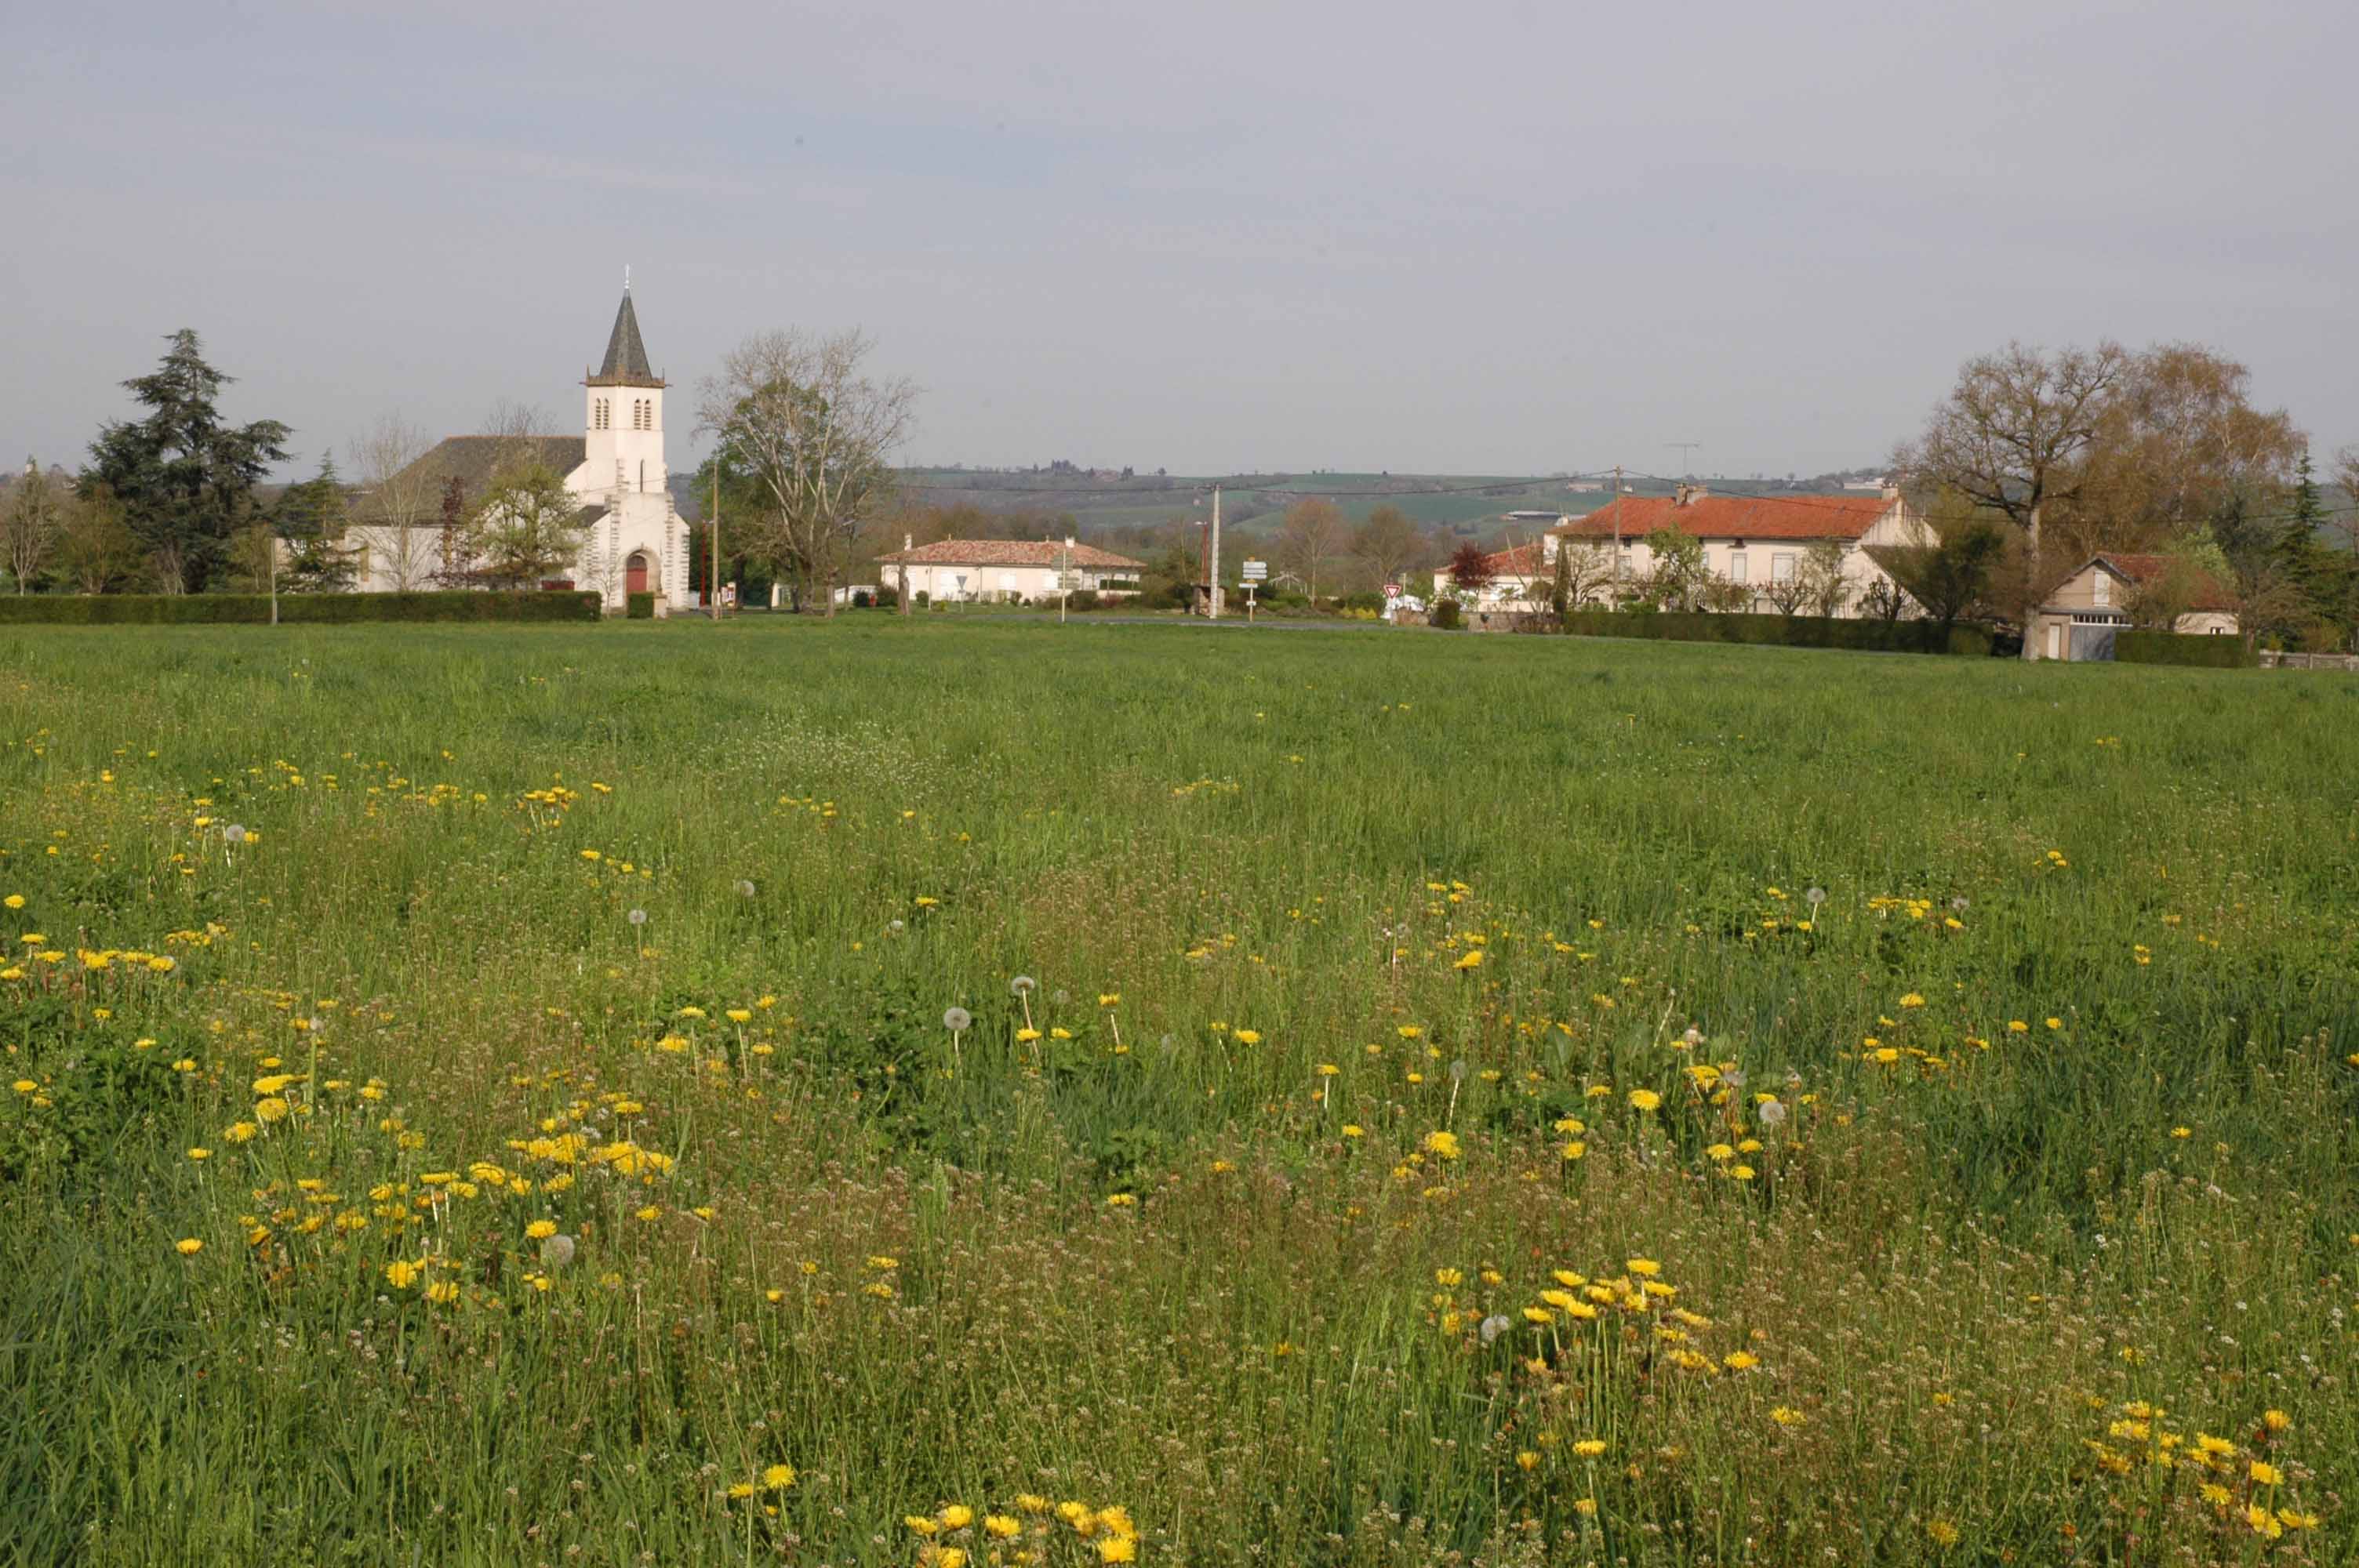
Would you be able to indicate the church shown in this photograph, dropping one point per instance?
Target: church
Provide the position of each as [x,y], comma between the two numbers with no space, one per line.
[634,540]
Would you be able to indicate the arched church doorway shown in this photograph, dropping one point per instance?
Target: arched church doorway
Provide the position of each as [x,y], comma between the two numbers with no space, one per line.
[635,572]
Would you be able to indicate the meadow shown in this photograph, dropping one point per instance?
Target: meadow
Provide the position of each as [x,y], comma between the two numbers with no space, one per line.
[910,1092]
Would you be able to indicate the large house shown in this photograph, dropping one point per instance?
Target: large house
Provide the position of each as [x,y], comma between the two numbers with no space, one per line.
[1753,541]
[633,538]
[2086,610]
[991,570]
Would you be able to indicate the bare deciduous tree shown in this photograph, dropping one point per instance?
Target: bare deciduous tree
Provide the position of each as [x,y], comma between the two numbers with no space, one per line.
[1312,534]
[803,419]
[1387,545]
[1825,590]
[2012,435]
[400,504]
[30,523]
[1583,570]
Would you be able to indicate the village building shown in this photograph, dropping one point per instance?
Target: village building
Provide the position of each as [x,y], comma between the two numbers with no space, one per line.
[1520,576]
[633,538]
[2080,618]
[984,571]
[1755,542]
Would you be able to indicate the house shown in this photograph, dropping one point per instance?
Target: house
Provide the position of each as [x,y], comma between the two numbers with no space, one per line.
[993,570]
[634,540]
[1519,576]
[2081,616]
[1757,542]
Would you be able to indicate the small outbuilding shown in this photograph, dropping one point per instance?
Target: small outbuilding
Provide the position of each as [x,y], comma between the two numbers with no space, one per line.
[2081,617]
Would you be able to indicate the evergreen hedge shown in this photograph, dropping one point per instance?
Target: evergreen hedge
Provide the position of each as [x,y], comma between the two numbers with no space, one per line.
[640,607]
[2179,648]
[1792,632]
[294,608]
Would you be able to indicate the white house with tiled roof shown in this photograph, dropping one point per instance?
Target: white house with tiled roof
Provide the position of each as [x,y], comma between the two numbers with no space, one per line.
[1755,541]
[995,570]
[633,538]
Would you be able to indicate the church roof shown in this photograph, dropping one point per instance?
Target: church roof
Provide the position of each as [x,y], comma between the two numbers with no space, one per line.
[473,460]
[626,356]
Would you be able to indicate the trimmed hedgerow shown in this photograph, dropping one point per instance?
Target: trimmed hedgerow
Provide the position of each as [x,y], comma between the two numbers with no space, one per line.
[2179,648]
[294,608]
[1792,632]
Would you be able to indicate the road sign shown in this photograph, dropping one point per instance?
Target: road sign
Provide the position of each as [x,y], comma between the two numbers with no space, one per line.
[1068,581]
[1256,571]
[1392,590]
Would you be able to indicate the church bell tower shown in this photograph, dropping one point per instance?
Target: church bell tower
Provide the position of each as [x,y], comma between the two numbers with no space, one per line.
[623,415]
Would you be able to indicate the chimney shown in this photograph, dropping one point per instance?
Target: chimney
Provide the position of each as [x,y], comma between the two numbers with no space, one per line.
[1891,490]
[1689,494]
[908,541]
[1069,541]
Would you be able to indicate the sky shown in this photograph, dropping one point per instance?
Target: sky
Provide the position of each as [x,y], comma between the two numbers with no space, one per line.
[1214,237]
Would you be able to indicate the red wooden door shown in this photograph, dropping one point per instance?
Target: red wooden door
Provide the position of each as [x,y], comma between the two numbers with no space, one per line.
[635,573]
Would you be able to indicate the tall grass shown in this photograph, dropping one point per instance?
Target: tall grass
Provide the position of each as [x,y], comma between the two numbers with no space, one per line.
[1969,1045]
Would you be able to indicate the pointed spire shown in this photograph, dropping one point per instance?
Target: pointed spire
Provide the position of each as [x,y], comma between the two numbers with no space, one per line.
[626,356]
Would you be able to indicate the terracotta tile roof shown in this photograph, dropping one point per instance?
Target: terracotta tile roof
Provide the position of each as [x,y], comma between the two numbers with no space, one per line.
[1008,552]
[1523,560]
[1794,517]
[2141,569]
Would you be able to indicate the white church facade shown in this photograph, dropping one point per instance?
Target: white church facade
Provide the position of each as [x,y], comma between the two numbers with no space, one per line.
[634,540]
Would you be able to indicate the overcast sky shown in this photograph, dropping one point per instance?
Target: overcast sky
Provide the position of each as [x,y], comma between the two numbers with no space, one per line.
[1209,236]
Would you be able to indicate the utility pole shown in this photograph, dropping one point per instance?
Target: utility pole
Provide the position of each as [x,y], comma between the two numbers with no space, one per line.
[714,576]
[1213,588]
[1618,536]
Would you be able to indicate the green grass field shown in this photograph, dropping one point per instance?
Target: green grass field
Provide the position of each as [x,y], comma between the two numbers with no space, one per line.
[484,1095]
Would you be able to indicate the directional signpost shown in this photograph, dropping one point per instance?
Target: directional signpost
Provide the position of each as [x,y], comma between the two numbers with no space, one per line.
[1254,573]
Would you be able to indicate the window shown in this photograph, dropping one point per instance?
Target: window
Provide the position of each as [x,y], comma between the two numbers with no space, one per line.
[1738,571]
[643,474]
[2104,590]
[1781,568]
[604,418]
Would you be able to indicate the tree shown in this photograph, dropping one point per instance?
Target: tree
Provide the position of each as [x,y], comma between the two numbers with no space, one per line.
[1825,590]
[312,519]
[1883,601]
[1312,534]
[1583,567]
[184,480]
[1387,545]
[2013,433]
[2346,524]
[1470,569]
[527,526]
[1951,577]
[96,552]
[815,432]
[2179,445]
[397,503]
[29,524]
[1676,574]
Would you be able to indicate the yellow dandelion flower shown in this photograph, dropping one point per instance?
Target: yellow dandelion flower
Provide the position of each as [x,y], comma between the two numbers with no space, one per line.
[188,1247]
[1645,1100]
